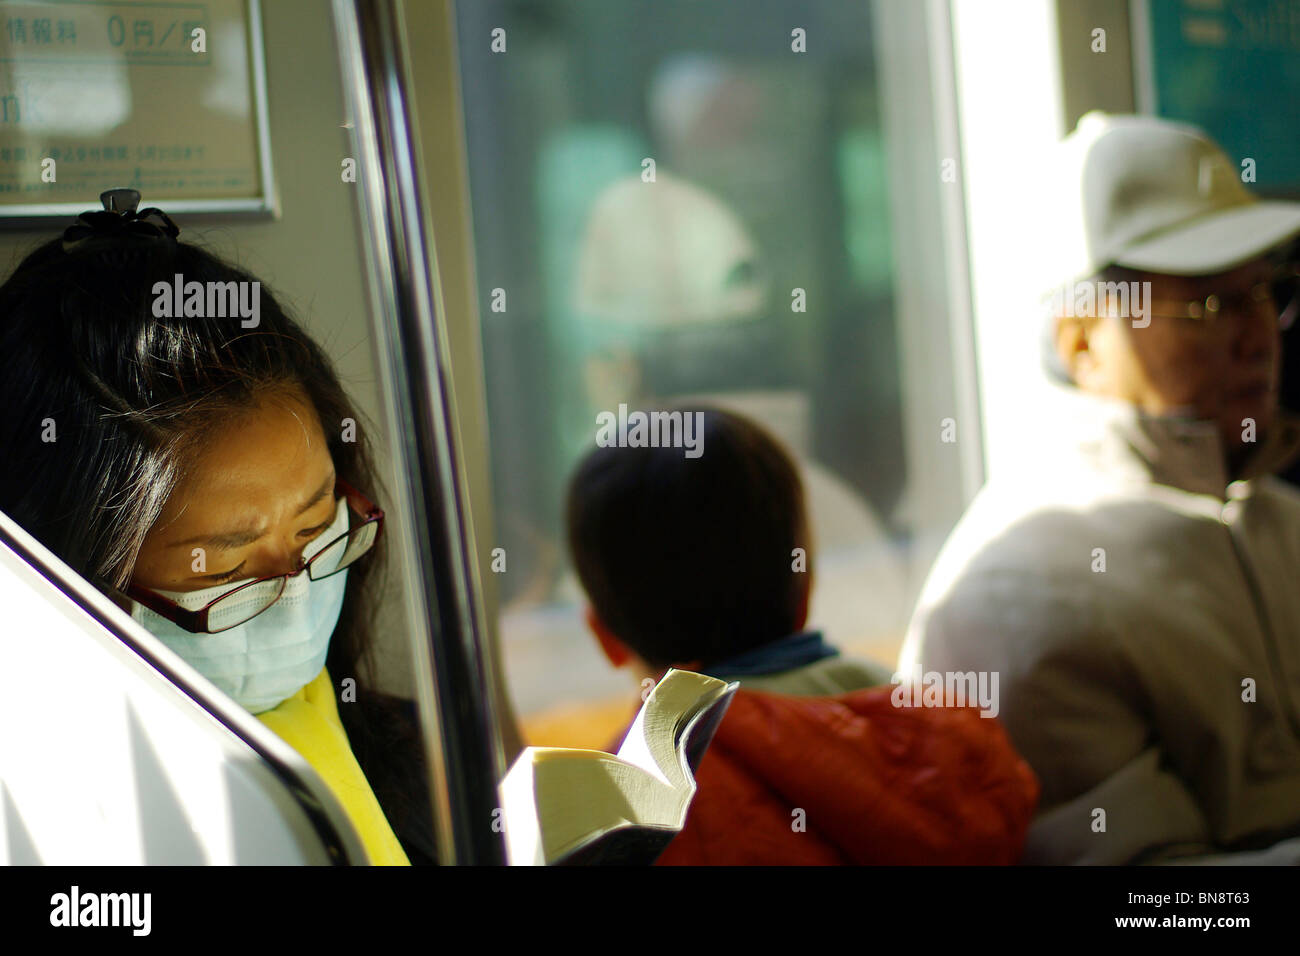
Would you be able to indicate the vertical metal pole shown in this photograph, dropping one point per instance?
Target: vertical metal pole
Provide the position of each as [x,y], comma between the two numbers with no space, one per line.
[431,499]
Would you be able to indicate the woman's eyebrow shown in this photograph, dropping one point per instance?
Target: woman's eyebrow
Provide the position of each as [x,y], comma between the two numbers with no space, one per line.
[325,489]
[237,539]
[222,542]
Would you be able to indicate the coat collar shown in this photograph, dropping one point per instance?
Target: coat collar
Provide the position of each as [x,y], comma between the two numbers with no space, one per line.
[1116,438]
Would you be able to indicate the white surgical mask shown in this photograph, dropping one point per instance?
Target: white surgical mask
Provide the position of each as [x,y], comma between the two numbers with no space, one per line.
[268,658]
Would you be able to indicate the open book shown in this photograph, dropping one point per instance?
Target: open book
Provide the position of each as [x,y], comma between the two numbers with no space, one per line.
[586,807]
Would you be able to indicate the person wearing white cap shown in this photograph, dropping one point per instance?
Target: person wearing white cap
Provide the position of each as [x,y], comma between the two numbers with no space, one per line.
[1134,583]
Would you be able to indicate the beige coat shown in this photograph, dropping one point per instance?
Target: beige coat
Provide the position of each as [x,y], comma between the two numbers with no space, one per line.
[1133,602]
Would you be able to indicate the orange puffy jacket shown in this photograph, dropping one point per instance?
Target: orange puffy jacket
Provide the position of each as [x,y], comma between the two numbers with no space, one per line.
[877,784]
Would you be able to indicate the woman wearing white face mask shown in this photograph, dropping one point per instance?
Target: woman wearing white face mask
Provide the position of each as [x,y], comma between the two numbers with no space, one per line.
[262,639]
[200,475]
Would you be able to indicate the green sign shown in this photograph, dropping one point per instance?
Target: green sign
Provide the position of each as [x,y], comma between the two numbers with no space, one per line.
[1231,67]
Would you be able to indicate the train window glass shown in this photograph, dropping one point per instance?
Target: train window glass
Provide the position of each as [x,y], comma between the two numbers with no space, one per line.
[676,200]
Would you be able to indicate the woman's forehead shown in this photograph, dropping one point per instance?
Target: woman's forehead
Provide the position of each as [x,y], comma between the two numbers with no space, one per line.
[266,460]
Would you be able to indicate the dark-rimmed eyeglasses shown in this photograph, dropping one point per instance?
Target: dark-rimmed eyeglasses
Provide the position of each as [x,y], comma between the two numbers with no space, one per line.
[249,600]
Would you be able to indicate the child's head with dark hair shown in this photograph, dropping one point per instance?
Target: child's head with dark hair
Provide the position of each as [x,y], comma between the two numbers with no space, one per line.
[692,559]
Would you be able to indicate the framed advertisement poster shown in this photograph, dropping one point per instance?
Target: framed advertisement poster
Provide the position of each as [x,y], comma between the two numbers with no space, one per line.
[1231,67]
[168,98]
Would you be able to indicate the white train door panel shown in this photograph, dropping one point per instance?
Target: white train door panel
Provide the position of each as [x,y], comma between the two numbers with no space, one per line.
[104,760]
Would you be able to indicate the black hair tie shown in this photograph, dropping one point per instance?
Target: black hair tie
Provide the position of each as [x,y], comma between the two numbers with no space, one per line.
[119,219]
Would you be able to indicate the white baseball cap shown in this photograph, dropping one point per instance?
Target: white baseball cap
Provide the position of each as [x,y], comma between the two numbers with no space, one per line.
[1155,195]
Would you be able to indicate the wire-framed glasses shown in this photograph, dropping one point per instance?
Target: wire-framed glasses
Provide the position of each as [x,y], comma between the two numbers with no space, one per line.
[1280,291]
[251,599]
